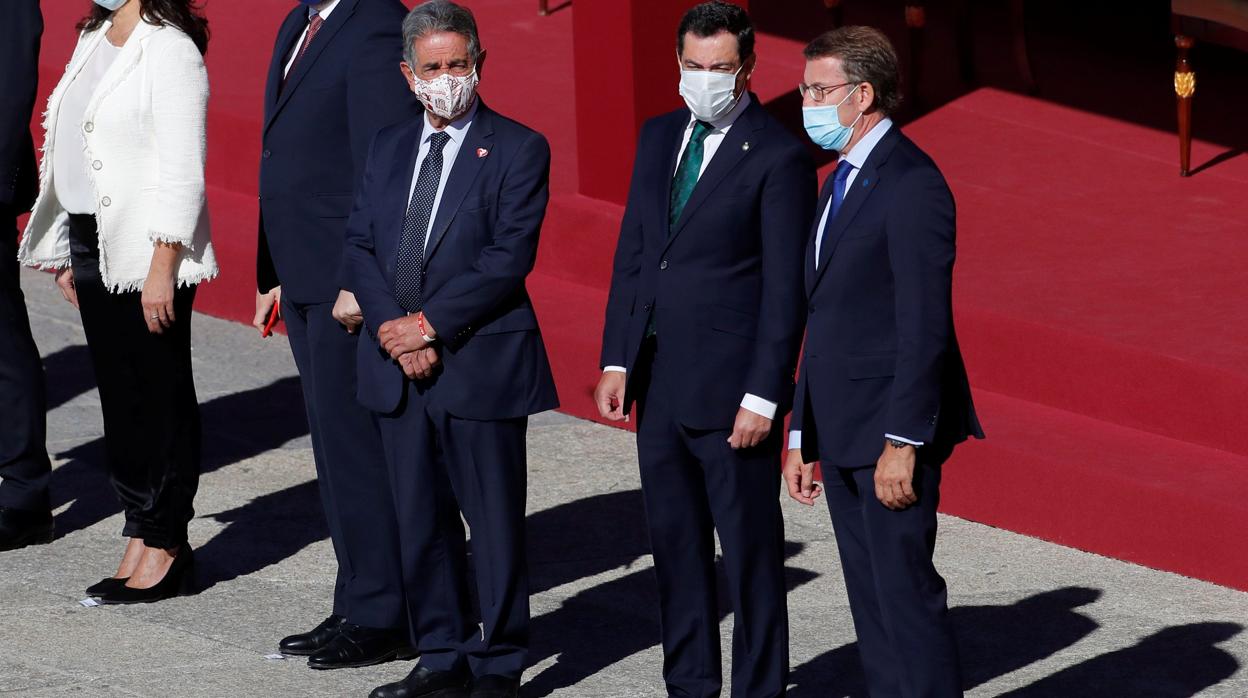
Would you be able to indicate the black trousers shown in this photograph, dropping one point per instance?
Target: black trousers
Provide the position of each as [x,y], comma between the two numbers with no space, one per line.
[896,596]
[694,485]
[441,465]
[147,395]
[350,469]
[24,466]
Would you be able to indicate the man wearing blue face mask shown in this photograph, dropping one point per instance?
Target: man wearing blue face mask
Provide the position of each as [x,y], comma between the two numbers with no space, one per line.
[882,393]
[702,330]
[331,86]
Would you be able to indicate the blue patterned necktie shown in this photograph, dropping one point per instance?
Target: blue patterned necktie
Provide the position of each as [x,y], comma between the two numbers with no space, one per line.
[409,275]
[839,179]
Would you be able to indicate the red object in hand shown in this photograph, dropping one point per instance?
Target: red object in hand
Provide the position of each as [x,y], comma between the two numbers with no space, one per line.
[273,318]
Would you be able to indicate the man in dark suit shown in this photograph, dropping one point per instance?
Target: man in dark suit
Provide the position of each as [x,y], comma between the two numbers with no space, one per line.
[443,233]
[331,86]
[882,395]
[25,512]
[703,326]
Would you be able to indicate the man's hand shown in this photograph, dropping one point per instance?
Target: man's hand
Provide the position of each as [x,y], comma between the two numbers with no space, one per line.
[401,336]
[264,307]
[65,282]
[749,430]
[347,312]
[420,364]
[609,395]
[800,477]
[894,477]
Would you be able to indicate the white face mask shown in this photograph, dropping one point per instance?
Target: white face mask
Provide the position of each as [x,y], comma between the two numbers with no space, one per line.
[447,96]
[709,95]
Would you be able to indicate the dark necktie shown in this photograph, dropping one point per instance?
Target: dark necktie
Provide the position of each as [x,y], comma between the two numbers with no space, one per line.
[314,26]
[839,179]
[409,274]
[687,172]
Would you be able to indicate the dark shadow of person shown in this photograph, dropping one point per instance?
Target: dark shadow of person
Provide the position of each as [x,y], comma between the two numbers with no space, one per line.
[606,623]
[1181,660]
[992,641]
[262,532]
[236,427]
[69,374]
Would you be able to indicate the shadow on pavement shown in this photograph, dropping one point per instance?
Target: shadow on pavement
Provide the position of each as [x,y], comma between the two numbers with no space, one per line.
[235,427]
[992,640]
[606,623]
[68,374]
[1181,660]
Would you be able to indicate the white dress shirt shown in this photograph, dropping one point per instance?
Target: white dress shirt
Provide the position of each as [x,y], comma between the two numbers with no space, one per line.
[857,156]
[710,145]
[323,9]
[458,131]
[69,162]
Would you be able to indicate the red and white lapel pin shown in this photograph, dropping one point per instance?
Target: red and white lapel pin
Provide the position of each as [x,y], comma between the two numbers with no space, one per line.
[482,152]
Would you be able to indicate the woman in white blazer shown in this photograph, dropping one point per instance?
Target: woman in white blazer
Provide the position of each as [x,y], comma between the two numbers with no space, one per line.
[121,216]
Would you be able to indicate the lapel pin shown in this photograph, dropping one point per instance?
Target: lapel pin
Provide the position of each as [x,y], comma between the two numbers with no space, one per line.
[865,182]
[482,152]
[745,145]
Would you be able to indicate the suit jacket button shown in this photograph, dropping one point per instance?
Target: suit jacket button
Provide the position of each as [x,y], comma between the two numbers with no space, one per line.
[106,201]
[646,307]
[812,310]
[266,154]
[663,265]
[88,127]
[97,165]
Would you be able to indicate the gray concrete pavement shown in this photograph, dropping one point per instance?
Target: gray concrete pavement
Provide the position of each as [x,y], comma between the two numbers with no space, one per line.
[1034,619]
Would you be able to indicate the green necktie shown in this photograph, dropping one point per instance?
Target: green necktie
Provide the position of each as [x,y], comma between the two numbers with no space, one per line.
[687,173]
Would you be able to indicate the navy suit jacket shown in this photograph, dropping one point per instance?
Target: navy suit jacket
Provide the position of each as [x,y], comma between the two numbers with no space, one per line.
[21,25]
[725,285]
[316,134]
[482,246]
[881,355]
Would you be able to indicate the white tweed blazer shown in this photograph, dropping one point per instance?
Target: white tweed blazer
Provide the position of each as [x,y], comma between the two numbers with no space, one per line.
[144,136]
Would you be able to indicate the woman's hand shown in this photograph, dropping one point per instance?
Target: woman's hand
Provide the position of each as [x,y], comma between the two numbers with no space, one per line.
[158,289]
[65,282]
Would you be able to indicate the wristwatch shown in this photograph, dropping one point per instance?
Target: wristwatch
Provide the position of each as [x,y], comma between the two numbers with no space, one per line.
[897,443]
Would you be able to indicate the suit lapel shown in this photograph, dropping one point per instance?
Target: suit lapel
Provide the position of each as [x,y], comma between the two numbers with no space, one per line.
[866,182]
[670,147]
[732,150]
[824,196]
[398,190]
[129,57]
[286,36]
[468,164]
[340,16]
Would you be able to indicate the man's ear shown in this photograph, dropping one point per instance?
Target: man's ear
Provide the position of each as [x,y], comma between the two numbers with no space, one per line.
[866,97]
[408,75]
[747,70]
[480,64]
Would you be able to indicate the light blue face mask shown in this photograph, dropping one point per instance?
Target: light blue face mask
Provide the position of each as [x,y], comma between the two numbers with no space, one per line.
[823,125]
[110,5]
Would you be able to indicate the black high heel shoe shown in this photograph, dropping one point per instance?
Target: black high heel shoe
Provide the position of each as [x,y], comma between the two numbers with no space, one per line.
[106,586]
[178,581]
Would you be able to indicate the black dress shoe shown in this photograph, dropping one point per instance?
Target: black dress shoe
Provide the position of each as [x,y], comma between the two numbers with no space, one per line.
[357,646]
[494,686]
[425,683]
[304,644]
[20,528]
[106,585]
[178,581]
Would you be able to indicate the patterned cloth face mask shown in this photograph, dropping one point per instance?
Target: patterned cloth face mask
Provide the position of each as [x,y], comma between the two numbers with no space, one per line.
[447,96]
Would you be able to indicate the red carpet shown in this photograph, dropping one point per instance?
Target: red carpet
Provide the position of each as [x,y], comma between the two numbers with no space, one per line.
[1100,297]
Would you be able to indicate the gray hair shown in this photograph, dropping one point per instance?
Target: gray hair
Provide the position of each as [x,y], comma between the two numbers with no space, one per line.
[439,16]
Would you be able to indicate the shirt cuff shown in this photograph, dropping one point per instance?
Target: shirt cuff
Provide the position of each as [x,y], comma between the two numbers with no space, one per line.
[614,369]
[912,442]
[759,406]
[795,439]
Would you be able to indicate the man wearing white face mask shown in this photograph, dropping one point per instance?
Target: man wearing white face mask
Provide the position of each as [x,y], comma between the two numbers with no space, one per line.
[703,325]
[882,396]
[442,235]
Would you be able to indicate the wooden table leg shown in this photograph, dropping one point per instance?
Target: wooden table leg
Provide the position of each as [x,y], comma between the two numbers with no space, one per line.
[1184,90]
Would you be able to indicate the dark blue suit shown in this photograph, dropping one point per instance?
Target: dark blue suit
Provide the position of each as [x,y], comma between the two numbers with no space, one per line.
[317,128]
[723,287]
[24,467]
[456,441]
[881,357]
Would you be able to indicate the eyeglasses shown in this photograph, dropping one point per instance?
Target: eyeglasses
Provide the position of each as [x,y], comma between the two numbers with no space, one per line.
[818,93]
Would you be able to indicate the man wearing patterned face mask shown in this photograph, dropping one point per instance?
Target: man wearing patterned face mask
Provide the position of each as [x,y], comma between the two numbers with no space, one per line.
[443,233]
[703,324]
